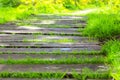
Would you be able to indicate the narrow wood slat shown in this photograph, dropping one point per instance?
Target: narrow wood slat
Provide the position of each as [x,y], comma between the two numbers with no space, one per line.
[39,32]
[6,56]
[48,50]
[21,38]
[49,16]
[52,68]
[58,26]
[59,22]
[50,45]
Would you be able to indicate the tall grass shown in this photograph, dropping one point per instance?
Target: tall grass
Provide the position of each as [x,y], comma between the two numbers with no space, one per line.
[103,26]
[112,48]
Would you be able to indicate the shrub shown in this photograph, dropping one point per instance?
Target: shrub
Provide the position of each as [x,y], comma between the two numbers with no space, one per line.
[10,3]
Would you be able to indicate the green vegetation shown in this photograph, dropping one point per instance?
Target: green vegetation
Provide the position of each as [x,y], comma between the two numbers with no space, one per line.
[21,9]
[103,26]
[57,75]
[65,40]
[75,52]
[63,60]
[112,48]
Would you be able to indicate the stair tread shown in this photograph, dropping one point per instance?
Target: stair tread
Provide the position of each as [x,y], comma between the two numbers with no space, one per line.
[69,68]
[49,50]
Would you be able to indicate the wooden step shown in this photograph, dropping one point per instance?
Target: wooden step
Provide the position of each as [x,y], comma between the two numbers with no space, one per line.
[69,68]
[55,21]
[54,25]
[49,45]
[40,32]
[15,27]
[88,50]
[43,38]
[42,29]
[50,59]
[49,16]
[6,56]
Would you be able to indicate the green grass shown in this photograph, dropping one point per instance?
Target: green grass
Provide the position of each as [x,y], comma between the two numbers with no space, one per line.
[57,75]
[12,14]
[65,40]
[103,26]
[63,60]
[112,49]
[75,52]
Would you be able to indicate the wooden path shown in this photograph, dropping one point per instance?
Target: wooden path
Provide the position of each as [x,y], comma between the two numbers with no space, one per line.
[50,47]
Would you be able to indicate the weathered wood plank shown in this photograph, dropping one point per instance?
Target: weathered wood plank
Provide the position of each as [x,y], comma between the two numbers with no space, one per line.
[46,56]
[39,32]
[41,38]
[56,21]
[49,50]
[52,68]
[49,45]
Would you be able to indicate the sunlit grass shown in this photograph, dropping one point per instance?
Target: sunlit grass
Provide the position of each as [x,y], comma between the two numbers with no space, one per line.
[57,76]
[112,49]
[70,60]
[103,26]
[12,14]
[51,40]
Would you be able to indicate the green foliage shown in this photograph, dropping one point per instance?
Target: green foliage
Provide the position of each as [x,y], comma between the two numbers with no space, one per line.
[2,20]
[63,60]
[57,75]
[112,48]
[70,4]
[9,3]
[41,6]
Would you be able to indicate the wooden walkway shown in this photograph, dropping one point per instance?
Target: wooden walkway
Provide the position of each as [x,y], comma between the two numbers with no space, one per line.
[50,47]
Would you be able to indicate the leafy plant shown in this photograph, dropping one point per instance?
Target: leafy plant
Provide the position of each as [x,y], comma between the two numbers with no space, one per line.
[9,3]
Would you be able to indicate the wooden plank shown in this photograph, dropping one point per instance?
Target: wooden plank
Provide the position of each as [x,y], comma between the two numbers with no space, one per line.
[39,32]
[49,16]
[15,27]
[49,45]
[69,68]
[56,25]
[46,56]
[56,21]
[49,50]
[48,29]
[21,38]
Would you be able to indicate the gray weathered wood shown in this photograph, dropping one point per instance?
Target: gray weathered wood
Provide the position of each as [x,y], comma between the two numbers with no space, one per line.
[52,68]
